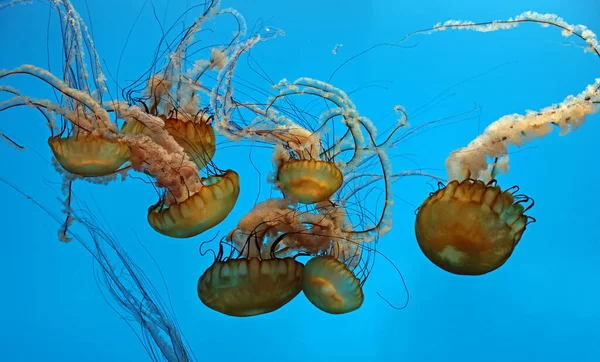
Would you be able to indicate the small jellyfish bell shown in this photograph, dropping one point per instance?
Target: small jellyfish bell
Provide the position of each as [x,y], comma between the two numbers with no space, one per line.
[309,181]
[334,278]
[300,174]
[331,286]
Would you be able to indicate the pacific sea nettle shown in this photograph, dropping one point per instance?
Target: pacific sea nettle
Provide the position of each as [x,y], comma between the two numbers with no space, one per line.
[89,155]
[330,286]
[199,212]
[247,287]
[469,227]
[309,181]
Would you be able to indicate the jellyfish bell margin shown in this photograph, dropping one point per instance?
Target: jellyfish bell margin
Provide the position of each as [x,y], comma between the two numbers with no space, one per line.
[471,228]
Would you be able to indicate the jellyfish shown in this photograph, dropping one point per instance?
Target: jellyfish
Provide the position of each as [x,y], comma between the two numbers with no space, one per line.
[199,212]
[243,287]
[309,181]
[196,136]
[85,144]
[331,286]
[471,226]
[87,155]
[305,170]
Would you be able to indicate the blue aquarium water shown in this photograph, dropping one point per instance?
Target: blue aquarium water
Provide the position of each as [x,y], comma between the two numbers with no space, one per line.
[121,291]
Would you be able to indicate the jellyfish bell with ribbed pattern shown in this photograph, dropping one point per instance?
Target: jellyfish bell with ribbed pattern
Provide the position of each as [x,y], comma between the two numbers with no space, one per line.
[331,286]
[199,212]
[471,228]
[244,287]
[89,155]
[309,181]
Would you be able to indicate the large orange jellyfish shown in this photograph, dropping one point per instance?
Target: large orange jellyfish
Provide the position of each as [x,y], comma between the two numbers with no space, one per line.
[248,287]
[471,226]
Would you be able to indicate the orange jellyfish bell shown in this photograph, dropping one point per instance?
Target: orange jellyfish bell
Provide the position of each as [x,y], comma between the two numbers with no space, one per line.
[331,286]
[199,212]
[248,287]
[197,139]
[309,181]
[470,228]
[89,155]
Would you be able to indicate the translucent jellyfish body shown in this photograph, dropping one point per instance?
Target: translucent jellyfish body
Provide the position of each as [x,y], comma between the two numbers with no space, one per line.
[309,181]
[89,155]
[247,287]
[470,228]
[199,212]
[331,286]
